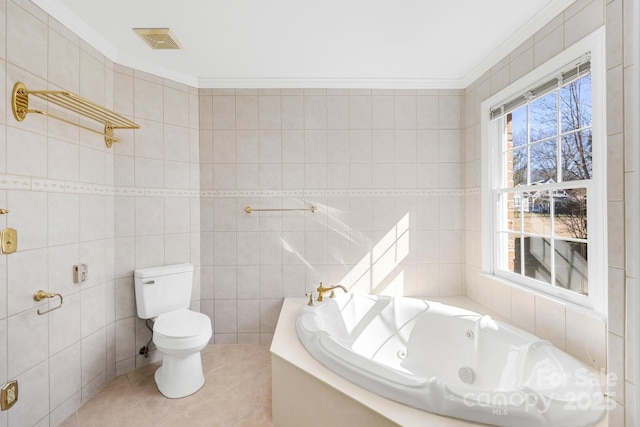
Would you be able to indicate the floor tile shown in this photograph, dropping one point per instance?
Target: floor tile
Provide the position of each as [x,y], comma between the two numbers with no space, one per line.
[237,393]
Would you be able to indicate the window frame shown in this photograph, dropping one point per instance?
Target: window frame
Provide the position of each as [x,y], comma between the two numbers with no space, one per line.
[491,174]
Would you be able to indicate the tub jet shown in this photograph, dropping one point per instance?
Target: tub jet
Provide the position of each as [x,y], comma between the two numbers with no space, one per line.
[466,375]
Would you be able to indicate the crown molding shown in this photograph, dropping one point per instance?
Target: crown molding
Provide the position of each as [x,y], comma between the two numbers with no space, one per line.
[350,83]
[550,11]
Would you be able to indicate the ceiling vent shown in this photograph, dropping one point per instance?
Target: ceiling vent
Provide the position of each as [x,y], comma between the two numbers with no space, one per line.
[158,38]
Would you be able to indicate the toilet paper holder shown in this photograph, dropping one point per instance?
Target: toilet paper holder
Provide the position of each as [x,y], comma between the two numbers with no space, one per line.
[40,295]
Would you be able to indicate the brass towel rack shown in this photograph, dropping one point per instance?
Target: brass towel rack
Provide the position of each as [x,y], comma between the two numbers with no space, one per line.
[74,103]
[40,295]
[249,209]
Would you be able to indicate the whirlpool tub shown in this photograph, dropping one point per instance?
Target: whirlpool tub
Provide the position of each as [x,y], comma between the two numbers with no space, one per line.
[450,361]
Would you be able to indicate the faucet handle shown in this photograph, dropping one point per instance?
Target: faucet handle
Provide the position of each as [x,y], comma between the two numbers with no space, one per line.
[310,295]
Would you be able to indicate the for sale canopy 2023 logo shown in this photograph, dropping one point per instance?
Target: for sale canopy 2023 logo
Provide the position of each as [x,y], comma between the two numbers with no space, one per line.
[577,391]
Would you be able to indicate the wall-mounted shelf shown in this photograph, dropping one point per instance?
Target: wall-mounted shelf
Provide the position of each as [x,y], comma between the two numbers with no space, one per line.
[74,103]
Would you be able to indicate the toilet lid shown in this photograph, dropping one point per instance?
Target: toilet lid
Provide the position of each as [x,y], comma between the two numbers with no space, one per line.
[182,324]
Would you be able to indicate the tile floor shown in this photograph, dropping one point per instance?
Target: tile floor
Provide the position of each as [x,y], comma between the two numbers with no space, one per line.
[237,393]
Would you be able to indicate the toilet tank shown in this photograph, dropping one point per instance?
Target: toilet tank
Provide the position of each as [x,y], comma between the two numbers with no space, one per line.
[162,289]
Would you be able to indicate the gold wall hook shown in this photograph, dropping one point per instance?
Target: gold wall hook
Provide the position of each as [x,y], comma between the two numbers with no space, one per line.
[40,295]
[4,211]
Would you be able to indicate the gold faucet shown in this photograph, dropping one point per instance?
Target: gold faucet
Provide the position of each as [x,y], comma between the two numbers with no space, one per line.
[321,290]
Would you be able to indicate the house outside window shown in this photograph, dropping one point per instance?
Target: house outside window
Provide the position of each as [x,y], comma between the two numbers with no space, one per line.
[544,197]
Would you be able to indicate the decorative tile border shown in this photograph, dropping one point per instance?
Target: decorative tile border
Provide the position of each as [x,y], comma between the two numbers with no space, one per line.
[48,185]
[13,182]
[331,193]
[25,183]
[129,191]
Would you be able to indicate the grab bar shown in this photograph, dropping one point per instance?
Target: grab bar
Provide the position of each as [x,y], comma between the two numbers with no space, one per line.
[40,295]
[249,209]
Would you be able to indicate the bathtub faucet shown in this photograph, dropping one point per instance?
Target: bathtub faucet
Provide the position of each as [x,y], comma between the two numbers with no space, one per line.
[321,290]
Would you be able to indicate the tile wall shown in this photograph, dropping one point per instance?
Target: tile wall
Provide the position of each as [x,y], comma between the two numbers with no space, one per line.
[394,174]
[73,200]
[157,207]
[384,168]
[604,345]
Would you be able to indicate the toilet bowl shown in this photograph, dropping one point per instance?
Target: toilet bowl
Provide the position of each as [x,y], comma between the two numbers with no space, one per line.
[163,294]
[180,335]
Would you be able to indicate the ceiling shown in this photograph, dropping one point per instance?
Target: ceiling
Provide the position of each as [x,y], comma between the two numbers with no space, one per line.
[302,43]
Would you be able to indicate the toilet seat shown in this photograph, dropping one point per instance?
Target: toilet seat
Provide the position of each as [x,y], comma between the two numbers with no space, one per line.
[182,324]
[181,330]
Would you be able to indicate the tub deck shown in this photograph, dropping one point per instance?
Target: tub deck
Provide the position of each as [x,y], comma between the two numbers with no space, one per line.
[304,392]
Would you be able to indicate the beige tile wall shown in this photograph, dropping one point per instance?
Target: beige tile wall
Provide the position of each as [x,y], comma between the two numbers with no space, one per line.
[157,209]
[73,200]
[601,344]
[384,168]
[394,174]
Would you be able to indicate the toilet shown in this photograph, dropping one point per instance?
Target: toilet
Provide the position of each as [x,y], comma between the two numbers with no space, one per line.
[164,295]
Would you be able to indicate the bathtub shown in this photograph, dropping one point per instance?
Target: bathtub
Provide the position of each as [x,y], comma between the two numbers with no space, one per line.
[450,361]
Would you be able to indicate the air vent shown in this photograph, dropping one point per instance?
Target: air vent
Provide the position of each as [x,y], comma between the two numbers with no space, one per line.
[158,38]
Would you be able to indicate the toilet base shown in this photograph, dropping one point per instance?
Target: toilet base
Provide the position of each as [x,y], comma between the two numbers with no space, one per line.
[179,376]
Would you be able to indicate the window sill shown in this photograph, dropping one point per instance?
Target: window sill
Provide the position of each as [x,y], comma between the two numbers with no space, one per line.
[493,279]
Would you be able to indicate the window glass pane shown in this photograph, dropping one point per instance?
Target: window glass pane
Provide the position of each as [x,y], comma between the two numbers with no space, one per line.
[514,214]
[516,167]
[570,213]
[512,254]
[543,117]
[544,162]
[577,161]
[537,258]
[510,217]
[539,202]
[575,101]
[571,266]
[518,126]
[538,219]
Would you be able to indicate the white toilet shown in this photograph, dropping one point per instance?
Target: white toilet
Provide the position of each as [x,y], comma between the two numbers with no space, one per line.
[164,294]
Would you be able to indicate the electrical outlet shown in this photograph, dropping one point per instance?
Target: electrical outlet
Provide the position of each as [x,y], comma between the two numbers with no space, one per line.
[8,395]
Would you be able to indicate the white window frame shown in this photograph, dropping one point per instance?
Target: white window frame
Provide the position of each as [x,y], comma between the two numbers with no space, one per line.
[596,301]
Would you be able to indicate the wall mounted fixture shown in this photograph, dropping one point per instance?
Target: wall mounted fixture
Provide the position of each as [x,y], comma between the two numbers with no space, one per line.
[8,395]
[40,295]
[8,241]
[249,209]
[73,103]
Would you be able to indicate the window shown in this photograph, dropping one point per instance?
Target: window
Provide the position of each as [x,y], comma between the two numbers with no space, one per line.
[544,223]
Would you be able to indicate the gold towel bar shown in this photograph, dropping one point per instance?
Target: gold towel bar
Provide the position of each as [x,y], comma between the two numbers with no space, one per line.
[249,209]
[40,295]
[74,103]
